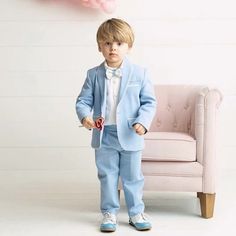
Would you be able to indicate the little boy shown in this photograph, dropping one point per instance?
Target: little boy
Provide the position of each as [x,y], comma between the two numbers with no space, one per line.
[117,101]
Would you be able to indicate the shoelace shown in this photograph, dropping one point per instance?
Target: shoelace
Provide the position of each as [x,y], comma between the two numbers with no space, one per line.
[108,218]
[140,218]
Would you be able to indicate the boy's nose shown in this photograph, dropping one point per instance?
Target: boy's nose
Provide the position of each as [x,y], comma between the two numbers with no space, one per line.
[113,46]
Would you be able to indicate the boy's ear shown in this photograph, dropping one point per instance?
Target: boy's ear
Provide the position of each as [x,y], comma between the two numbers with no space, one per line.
[99,48]
[129,49]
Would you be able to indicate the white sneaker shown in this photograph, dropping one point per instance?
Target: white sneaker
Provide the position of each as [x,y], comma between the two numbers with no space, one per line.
[140,222]
[108,222]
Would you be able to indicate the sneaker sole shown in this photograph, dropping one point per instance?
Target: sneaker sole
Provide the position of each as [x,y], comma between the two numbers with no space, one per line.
[140,229]
[107,230]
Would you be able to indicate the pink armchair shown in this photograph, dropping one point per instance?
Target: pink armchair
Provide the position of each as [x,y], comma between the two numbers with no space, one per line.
[181,144]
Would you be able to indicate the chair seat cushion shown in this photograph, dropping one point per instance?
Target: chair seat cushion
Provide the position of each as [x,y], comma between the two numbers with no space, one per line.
[174,169]
[169,146]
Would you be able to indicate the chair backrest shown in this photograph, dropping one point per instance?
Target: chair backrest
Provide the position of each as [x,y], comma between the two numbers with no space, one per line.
[175,108]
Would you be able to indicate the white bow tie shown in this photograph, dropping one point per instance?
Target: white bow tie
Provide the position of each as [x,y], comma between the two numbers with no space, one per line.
[110,73]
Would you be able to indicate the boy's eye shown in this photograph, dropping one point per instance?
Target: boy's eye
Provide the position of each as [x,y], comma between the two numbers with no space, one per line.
[119,44]
[107,43]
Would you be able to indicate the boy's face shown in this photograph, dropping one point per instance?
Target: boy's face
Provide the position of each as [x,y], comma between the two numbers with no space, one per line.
[113,52]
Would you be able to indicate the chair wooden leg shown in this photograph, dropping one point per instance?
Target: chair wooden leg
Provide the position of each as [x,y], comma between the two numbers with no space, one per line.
[207,202]
[119,194]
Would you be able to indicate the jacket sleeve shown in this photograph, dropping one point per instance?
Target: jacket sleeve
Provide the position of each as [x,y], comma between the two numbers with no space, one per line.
[147,108]
[85,100]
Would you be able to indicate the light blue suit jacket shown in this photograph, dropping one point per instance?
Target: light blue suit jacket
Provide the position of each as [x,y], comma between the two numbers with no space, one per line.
[136,104]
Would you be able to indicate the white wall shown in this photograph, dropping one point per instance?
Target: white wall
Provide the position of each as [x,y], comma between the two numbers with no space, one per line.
[46,48]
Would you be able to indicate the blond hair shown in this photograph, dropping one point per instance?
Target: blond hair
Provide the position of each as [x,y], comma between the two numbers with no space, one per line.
[115,30]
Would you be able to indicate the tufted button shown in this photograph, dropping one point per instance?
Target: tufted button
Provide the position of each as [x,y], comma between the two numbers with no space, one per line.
[175,125]
[189,126]
[186,106]
[168,107]
[158,123]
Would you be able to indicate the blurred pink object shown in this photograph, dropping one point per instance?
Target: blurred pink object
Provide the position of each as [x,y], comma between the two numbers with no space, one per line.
[107,6]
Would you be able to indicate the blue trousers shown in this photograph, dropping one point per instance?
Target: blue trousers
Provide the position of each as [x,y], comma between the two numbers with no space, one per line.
[113,162]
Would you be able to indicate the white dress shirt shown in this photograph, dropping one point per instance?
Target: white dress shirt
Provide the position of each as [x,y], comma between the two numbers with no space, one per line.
[113,80]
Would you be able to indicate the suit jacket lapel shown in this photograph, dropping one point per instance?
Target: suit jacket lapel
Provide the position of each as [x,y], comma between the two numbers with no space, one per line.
[101,77]
[126,75]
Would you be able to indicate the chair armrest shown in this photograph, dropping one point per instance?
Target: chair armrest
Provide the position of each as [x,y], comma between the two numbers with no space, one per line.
[206,110]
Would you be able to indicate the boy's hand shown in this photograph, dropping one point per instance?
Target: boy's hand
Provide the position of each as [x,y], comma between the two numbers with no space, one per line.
[139,129]
[88,123]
